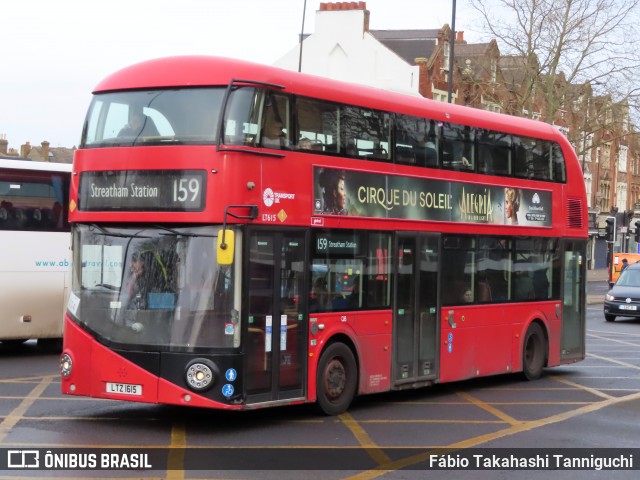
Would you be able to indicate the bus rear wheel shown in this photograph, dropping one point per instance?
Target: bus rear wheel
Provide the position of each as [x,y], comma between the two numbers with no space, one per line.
[336,379]
[534,352]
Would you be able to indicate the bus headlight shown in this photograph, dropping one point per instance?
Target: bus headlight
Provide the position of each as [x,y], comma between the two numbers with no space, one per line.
[66,364]
[200,374]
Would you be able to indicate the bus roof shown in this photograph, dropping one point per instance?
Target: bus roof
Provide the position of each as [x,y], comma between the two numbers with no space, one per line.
[30,165]
[199,71]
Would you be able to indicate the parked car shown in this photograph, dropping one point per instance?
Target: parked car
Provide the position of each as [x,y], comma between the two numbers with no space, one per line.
[623,300]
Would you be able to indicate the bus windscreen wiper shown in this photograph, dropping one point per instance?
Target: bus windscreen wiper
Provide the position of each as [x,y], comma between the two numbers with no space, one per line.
[105,232]
[181,234]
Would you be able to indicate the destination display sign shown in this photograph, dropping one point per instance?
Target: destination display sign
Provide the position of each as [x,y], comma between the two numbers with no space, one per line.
[337,243]
[143,190]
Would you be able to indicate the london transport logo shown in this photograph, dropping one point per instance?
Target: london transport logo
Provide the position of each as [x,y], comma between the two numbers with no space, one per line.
[269,197]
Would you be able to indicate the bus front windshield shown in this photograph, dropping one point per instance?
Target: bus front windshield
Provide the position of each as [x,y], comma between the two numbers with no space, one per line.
[154,286]
[177,116]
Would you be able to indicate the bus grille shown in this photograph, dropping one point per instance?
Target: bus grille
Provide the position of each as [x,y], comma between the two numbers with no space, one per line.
[574,213]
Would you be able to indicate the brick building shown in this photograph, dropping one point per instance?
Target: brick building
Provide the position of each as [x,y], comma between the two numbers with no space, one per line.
[42,153]
[598,127]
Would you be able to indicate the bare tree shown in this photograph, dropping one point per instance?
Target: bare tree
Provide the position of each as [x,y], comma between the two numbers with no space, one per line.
[557,44]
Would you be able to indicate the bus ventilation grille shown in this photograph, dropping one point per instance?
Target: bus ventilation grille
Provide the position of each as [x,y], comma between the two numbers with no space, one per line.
[574,213]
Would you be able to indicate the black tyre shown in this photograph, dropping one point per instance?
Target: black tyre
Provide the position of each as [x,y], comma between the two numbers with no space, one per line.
[609,318]
[534,352]
[336,379]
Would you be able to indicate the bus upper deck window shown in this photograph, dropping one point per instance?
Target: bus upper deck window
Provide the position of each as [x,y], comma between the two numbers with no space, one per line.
[458,147]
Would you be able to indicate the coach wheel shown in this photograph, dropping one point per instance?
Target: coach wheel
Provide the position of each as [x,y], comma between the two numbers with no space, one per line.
[609,318]
[337,379]
[534,354]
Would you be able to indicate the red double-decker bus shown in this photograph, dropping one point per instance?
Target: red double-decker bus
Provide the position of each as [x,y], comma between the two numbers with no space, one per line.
[246,236]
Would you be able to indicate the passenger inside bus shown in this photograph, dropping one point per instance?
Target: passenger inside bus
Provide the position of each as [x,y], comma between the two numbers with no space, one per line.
[353,299]
[140,125]
[272,135]
[484,290]
[319,298]
[136,285]
[306,144]
[148,283]
[467,296]
[523,285]
[274,131]
[427,154]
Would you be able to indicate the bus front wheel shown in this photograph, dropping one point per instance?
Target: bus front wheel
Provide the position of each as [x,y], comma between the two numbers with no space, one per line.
[336,379]
[534,353]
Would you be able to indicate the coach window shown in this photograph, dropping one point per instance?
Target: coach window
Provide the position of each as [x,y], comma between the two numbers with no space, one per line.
[406,134]
[365,133]
[416,141]
[242,117]
[458,147]
[494,152]
[317,125]
[350,271]
[532,277]
[494,255]
[257,118]
[34,201]
[274,131]
[458,272]
[532,158]
[559,169]
[541,260]
[376,281]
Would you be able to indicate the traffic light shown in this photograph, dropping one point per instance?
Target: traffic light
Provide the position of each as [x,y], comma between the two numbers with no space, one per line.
[637,233]
[610,229]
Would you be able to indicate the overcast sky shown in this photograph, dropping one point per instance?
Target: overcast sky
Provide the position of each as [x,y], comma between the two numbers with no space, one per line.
[53,52]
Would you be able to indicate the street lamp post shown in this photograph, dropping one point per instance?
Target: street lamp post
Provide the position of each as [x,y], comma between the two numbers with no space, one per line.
[452,41]
[304,12]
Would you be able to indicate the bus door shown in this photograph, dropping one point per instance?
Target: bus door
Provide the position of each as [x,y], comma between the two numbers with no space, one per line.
[416,308]
[573,302]
[275,340]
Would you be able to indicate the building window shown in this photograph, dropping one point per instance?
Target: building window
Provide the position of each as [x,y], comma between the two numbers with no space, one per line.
[621,196]
[445,56]
[622,158]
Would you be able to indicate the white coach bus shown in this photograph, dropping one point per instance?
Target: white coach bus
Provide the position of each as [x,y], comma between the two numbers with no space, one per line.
[35,257]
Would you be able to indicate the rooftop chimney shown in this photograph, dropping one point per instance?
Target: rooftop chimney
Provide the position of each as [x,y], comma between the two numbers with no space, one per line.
[343,6]
[25,150]
[348,6]
[4,144]
[45,151]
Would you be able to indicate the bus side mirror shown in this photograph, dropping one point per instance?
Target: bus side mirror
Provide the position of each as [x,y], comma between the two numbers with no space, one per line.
[226,247]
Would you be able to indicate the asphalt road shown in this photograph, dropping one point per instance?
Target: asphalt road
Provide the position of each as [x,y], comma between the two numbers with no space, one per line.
[589,405]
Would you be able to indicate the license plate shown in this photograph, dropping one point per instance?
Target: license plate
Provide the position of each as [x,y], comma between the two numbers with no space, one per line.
[124,388]
[628,307]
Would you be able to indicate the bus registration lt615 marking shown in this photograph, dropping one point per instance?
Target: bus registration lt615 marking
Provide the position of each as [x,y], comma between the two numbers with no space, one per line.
[124,388]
